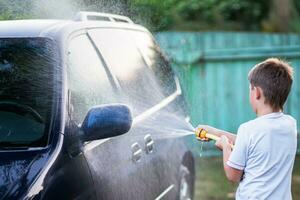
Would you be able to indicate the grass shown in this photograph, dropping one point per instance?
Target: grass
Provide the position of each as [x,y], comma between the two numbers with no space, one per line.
[211,183]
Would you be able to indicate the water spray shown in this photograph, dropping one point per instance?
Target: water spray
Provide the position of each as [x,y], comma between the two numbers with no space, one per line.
[203,135]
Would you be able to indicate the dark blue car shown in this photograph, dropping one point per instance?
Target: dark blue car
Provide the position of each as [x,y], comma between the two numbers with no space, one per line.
[89,109]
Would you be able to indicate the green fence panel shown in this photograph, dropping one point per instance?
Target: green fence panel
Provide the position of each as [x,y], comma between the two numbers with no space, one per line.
[213,69]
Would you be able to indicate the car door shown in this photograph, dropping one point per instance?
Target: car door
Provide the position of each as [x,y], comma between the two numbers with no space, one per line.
[141,90]
[114,162]
[169,140]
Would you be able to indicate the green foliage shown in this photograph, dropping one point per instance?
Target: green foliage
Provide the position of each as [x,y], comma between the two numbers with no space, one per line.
[160,15]
[204,14]
[10,10]
[155,14]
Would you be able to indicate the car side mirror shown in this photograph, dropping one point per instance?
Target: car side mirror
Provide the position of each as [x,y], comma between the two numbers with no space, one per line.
[106,121]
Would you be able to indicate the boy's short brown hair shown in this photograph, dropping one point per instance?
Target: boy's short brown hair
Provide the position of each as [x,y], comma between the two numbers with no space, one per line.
[275,78]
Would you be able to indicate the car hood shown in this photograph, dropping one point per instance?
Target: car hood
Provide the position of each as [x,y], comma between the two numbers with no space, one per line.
[18,170]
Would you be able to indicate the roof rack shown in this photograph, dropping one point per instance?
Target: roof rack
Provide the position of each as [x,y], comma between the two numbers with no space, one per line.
[97,16]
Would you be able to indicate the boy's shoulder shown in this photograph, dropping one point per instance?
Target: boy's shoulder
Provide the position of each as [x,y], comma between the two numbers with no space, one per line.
[259,122]
[248,124]
[244,128]
[290,118]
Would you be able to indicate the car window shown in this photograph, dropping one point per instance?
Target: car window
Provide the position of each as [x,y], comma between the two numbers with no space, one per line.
[156,60]
[142,89]
[26,92]
[88,82]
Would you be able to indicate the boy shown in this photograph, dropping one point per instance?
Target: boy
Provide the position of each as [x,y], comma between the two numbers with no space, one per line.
[264,149]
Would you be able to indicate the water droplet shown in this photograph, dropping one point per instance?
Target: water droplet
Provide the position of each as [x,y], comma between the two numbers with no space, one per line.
[201,148]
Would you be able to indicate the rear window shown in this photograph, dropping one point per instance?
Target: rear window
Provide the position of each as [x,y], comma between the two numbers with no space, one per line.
[139,67]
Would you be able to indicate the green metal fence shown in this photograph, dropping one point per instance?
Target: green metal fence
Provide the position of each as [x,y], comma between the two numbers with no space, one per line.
[213,68]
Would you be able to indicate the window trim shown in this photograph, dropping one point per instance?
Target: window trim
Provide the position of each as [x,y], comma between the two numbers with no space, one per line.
[160,105]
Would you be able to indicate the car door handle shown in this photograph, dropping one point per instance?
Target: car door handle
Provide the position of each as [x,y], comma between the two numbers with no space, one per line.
[136,152]
[149,143]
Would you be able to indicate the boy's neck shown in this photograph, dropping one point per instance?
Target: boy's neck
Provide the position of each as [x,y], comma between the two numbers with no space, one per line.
[266,110]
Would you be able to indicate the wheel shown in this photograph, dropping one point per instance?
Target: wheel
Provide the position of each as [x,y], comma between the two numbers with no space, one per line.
[186,184]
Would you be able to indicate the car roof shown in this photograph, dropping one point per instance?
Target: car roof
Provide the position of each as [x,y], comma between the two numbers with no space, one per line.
[55,28]
[26,28]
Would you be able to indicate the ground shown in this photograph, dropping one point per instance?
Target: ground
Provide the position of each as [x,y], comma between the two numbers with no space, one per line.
[211,183]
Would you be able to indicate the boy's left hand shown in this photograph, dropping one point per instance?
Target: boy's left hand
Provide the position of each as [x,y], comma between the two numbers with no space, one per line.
[222,143]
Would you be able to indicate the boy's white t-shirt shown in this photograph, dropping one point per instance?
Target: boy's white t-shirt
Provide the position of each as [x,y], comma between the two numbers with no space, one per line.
[265,149]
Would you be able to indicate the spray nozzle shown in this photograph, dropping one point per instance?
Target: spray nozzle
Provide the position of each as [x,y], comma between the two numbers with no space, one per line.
[202,134]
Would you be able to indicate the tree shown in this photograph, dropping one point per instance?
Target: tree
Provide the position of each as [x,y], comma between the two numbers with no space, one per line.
[180,15]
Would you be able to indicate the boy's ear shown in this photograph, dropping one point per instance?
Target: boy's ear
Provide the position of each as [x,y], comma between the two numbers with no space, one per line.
[258,92]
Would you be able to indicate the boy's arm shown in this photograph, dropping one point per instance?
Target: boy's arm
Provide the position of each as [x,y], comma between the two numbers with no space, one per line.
[219,132]
[232,174]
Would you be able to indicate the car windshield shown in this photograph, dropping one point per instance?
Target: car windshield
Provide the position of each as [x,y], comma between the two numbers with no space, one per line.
[26,91]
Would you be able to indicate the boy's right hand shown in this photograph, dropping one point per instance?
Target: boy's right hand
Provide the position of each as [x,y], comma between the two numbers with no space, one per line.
[222,142]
